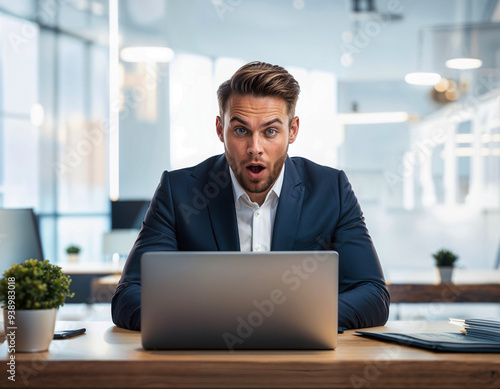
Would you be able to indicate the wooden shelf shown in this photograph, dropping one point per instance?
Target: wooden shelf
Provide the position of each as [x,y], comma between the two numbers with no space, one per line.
[444,293]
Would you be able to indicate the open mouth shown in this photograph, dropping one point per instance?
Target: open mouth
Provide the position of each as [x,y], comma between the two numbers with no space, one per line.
[255,168]
[255,171]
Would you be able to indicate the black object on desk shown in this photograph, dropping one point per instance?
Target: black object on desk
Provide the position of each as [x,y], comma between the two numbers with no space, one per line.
[437,341]
[65,334]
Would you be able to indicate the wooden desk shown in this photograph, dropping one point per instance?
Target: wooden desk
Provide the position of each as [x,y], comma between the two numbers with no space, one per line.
[108,356]
[444,293]
[82,275]
[103,288]
[103,268]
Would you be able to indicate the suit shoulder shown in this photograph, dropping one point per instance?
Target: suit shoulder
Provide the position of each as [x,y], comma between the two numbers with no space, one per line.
[320,179]
[200,170]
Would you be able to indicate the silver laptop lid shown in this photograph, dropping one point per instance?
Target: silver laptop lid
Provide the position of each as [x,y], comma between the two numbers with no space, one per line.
[234,300]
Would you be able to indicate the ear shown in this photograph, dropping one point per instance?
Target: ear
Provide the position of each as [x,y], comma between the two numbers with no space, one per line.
[294,130]
[220,128]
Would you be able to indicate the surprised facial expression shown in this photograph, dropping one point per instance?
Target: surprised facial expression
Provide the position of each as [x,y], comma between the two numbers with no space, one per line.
[256,132]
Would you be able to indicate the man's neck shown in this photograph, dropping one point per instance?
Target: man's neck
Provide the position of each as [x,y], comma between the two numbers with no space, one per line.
[259,198]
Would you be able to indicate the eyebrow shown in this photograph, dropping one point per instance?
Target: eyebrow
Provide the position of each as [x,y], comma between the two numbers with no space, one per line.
[237,119]
[272,121]
[276,120]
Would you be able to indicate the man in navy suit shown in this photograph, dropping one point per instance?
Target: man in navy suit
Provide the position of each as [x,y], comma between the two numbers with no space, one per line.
[255,198]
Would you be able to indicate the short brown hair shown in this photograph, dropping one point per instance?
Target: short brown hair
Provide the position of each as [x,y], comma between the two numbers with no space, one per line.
[261,79]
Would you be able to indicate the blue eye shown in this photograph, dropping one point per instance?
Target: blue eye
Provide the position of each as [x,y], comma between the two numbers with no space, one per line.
[271,132]
[240,130]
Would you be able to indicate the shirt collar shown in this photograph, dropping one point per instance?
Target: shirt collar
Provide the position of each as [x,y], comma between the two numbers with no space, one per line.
[238,191]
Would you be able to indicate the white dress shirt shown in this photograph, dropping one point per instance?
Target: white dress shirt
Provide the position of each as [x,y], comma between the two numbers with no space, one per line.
[255,224]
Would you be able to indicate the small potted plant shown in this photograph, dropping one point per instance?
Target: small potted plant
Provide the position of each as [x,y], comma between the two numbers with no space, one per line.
[30,293]
[73,252]
[445,260]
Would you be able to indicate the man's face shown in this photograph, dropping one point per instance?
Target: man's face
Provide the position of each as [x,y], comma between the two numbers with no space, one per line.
[256,134]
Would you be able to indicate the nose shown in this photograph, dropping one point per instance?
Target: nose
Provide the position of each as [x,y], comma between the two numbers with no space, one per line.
[254,145]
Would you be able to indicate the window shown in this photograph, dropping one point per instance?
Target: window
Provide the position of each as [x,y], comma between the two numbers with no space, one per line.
[53,143]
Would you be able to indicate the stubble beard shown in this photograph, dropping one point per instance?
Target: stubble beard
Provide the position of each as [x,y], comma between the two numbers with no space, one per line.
[256,185]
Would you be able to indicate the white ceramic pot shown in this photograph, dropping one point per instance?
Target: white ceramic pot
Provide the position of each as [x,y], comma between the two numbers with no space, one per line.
[445,273]
[73,258]
[33,329]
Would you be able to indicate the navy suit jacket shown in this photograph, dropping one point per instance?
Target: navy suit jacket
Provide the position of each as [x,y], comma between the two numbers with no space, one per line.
[193,210]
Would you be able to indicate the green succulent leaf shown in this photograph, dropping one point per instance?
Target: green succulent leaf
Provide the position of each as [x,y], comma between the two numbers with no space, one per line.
[72,249]
[38,285]
[445,257]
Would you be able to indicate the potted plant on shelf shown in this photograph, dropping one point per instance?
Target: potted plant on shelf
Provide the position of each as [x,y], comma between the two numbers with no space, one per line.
[31,292]
[73,252]
[445,260]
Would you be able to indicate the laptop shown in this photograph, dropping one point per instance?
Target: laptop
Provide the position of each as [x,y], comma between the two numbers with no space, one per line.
[235,301]
[19,237]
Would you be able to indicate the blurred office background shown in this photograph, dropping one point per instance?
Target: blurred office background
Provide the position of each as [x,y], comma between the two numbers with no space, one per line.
[98,97]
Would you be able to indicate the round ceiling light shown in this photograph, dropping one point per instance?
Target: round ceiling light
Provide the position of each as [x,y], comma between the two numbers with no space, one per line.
[422,78]
[464,63]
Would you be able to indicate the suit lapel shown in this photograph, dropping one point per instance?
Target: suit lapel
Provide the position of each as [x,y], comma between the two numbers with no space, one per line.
[289,209]
[221,207]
